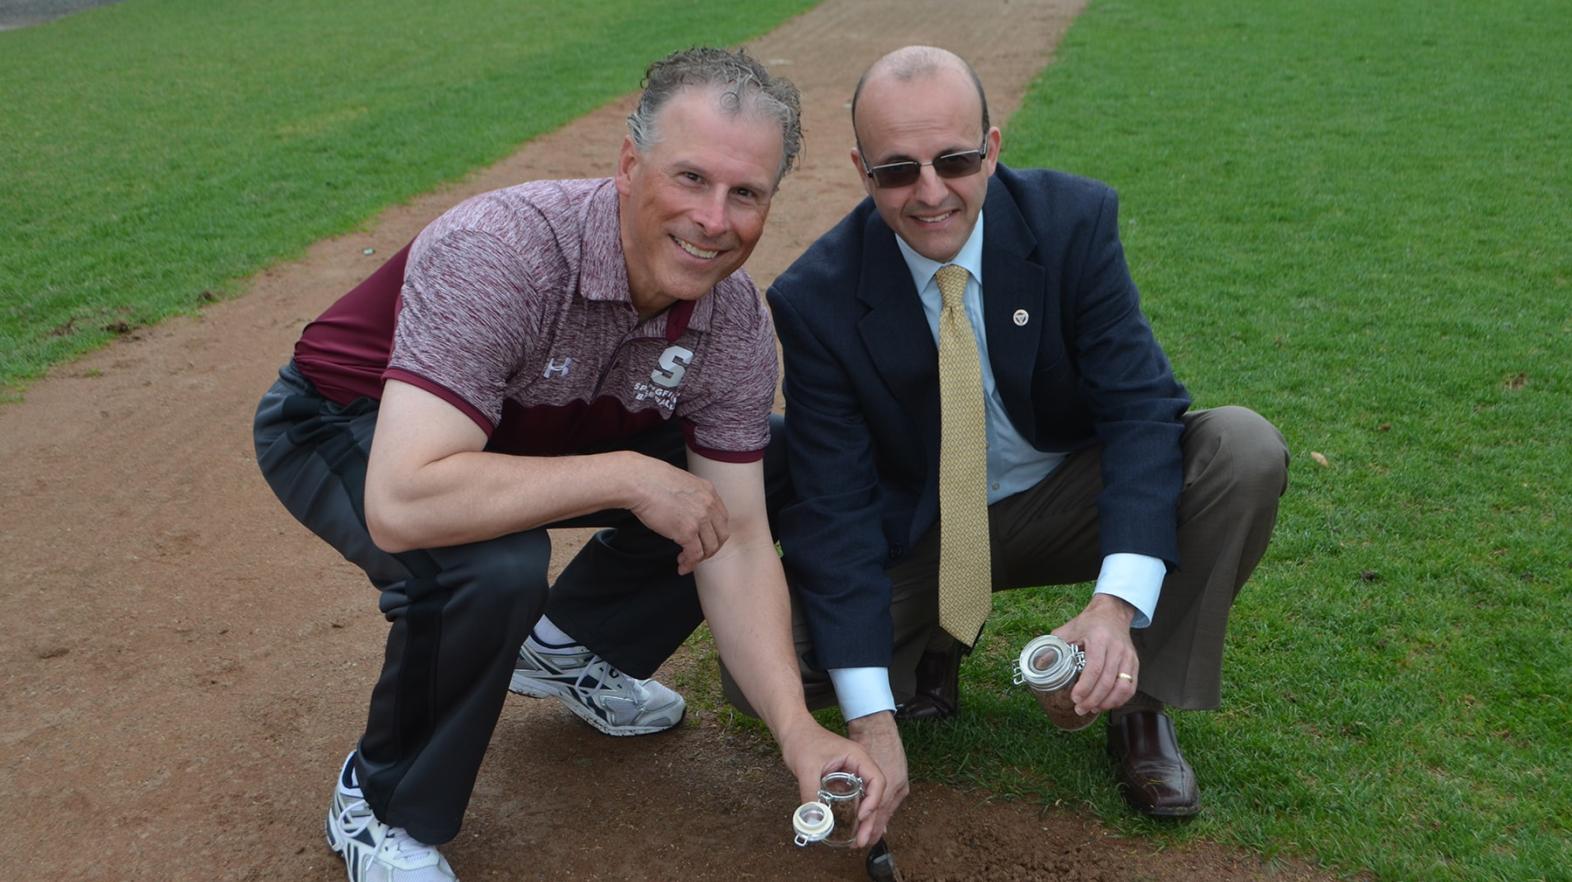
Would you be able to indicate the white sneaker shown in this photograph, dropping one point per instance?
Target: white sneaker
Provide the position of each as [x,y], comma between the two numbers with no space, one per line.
[373,851]
[598,693]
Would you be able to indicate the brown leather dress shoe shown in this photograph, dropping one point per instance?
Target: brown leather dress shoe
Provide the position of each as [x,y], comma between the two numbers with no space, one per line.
[1153,774]
[938,687]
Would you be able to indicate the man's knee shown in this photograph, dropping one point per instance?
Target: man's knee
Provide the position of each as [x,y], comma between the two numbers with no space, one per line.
[501,584]
[1237,447]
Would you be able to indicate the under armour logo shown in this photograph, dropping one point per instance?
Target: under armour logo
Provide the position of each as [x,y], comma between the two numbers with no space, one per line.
[673,364]
[553,369]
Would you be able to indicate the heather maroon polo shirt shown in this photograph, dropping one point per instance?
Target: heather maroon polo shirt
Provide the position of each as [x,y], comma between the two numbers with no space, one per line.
[514,308]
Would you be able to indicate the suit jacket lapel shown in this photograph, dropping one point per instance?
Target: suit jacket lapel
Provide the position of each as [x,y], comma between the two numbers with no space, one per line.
[895,331]
[1013,285]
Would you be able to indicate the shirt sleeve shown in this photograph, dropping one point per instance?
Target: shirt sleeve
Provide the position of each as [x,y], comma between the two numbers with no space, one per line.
[731,422]
[464,322]
[862,691]
[1137,579]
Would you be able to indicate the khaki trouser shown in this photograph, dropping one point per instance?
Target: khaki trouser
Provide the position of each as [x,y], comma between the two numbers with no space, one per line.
[1235,469]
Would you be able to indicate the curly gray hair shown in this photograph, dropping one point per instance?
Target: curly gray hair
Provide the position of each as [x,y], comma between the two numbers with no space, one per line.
[744,84]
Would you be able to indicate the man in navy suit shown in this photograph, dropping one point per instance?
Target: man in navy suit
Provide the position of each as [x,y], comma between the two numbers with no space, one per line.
[1095,469]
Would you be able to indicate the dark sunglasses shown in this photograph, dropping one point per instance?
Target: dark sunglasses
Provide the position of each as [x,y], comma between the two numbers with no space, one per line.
[906,172]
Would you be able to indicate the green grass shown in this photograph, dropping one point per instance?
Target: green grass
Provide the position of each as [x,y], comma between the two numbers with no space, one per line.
[155,150]
[1354,218]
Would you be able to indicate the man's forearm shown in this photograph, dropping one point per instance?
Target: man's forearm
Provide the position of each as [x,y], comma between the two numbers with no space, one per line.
[475,496]
[430,482]
[743,592]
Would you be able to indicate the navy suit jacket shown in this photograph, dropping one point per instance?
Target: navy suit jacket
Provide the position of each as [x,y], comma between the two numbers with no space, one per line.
[862,401]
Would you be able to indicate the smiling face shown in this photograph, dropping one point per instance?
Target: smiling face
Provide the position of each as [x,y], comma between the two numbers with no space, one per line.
[693,205]
[929,115]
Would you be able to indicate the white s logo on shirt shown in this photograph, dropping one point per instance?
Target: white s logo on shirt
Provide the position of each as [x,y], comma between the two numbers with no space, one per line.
[673,364]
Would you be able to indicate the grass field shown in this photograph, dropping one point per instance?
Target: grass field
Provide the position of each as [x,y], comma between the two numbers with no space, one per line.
[159,149]
[1354,218]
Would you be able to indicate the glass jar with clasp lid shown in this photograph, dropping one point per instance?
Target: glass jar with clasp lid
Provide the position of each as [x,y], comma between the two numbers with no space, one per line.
[1050,667]
[832,818]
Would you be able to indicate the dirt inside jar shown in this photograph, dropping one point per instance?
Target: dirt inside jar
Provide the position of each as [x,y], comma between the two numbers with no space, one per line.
[842,793]
[1057,702]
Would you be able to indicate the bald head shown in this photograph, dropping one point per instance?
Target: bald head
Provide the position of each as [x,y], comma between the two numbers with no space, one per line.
[918,62]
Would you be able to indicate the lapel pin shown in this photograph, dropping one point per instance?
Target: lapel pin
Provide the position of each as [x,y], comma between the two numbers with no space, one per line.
[1021,317]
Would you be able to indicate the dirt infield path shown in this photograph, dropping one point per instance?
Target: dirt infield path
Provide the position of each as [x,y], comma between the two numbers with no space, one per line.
[184,666]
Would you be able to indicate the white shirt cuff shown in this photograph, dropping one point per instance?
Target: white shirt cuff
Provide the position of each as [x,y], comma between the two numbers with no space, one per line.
[862,691]
[1136,579]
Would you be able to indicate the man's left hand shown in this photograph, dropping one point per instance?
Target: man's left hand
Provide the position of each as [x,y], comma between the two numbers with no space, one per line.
[814,752]
[1102,630]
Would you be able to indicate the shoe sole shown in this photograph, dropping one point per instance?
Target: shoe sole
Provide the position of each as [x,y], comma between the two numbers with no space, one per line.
[530,687]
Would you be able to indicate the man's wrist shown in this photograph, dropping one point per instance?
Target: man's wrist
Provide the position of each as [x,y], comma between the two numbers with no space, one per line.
[870,722]
[795,724]
[1109,604]
[624,467]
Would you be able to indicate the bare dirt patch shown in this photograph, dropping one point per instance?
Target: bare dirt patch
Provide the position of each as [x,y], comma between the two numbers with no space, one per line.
[184,667]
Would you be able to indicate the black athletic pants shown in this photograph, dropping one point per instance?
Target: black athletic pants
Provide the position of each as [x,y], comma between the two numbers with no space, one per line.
[458,614]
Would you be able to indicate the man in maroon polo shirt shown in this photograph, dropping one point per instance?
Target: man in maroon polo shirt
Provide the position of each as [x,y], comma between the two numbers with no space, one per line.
[555,353]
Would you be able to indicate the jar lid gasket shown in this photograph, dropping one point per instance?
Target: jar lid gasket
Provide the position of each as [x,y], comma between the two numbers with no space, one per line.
[812,821]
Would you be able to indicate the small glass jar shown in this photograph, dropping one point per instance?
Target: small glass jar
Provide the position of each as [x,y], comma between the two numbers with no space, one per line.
[842,792]
[832,819]
[1050,667]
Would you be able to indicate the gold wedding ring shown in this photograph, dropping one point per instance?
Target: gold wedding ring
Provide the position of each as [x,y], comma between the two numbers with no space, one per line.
[1124,676]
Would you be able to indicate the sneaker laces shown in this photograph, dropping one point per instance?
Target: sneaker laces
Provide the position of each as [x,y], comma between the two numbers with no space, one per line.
[355,817]
[604,672]
[407,847]
[599,670]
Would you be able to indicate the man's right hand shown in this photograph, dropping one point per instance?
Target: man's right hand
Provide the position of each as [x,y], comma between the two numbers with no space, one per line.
[683,508]
[877,734]
[1113,668]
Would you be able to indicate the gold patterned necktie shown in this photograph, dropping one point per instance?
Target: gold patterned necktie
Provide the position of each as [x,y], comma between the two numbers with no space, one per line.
[965,583]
